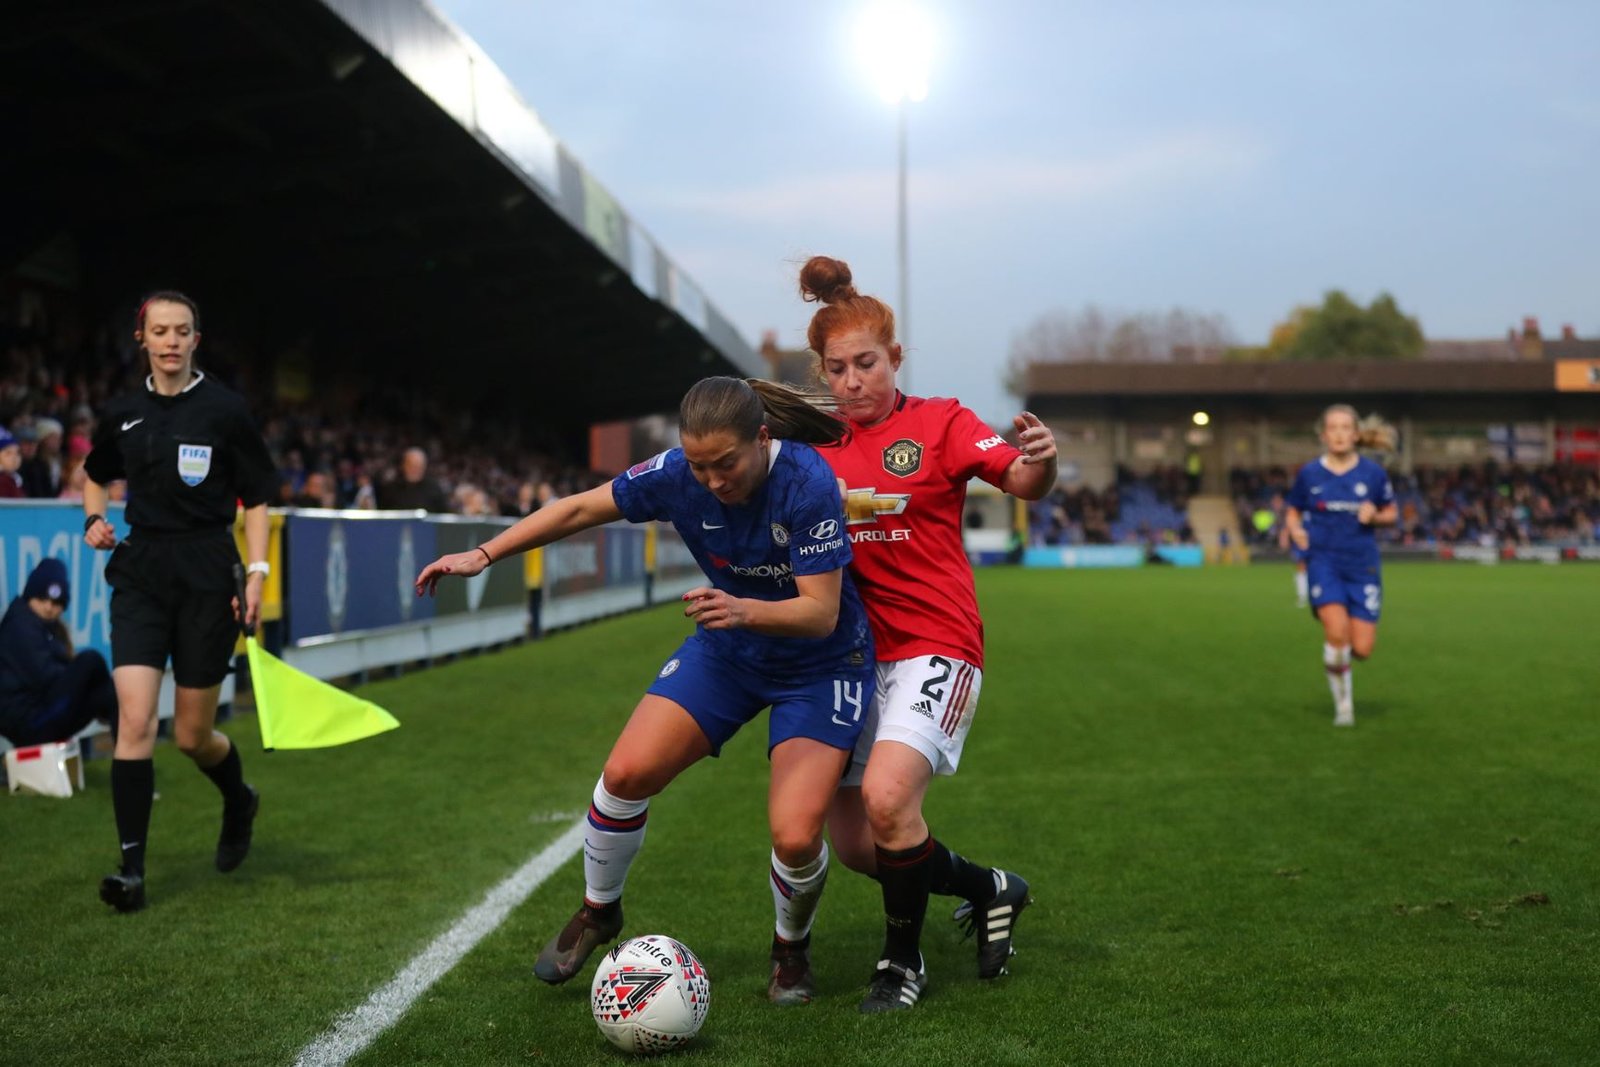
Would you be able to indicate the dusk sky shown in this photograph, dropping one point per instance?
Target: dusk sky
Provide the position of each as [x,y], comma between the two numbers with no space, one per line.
[1233,159]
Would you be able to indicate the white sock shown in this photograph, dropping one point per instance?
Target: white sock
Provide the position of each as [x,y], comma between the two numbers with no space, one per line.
[796,892]
[610,842]
[1336,663]
[1301,587]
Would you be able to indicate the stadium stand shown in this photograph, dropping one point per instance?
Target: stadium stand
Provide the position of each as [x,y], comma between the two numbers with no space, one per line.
[1498,451]
[391,250]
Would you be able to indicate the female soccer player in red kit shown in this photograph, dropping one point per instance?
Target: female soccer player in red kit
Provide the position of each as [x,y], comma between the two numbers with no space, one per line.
[905,463]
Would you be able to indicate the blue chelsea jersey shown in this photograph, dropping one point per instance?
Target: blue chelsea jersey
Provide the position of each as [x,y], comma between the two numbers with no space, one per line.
[1328,504]
[792,525]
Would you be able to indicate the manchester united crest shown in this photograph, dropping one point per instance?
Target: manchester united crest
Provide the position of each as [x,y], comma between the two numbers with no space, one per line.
[903,458]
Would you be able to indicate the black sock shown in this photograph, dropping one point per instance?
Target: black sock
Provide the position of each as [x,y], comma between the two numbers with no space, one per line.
[228,776]
[133,788]
[956,876]
[905,875]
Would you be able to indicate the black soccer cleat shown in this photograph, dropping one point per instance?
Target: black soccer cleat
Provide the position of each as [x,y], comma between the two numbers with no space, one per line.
[791,983]
[894,987]
[995,922]
[238,821]
[124,891]
[587,930]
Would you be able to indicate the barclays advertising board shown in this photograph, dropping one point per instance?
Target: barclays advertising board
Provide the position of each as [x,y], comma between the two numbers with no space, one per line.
[352,571]
[30,531]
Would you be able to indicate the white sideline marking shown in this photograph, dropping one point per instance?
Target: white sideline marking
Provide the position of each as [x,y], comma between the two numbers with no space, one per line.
[357,1029]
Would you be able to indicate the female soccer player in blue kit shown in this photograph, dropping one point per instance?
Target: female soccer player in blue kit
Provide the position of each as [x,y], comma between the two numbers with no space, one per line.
[780,625]
[1337,500]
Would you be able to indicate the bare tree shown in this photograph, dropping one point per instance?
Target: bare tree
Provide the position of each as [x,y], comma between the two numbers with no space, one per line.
[1097,336]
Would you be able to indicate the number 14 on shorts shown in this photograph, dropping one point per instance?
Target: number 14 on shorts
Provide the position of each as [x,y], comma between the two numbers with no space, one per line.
[846,694]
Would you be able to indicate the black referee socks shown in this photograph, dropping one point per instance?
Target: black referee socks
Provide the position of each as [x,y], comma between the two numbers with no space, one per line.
[228,775]
[133,788]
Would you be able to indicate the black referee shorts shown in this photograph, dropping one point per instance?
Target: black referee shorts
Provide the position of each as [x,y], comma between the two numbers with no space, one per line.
[173,597]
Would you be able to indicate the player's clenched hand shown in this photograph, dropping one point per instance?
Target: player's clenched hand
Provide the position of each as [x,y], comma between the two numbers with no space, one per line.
[714,609]
[1038,444]
[1366,513]
[1301,539]
[460,564]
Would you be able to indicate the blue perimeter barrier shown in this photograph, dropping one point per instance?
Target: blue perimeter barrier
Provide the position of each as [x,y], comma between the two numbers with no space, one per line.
[1110,556]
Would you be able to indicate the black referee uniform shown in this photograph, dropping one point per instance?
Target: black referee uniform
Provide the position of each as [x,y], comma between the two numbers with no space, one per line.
[189,460]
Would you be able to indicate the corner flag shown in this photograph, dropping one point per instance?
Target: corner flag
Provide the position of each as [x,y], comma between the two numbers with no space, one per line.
[296,710]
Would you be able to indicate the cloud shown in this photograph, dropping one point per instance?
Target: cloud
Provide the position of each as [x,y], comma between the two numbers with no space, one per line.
[1139,175]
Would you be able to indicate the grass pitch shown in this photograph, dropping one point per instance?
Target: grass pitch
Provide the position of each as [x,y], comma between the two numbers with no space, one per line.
[1221,876]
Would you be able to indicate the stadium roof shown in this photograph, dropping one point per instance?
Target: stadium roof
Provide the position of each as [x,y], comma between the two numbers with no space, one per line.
[351,177]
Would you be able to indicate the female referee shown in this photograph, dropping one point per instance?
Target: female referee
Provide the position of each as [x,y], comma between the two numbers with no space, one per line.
[780,624]
[190,454]
[1337,500]
[906,462]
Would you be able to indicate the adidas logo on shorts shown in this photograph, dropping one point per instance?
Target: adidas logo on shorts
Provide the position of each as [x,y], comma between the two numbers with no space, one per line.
[922,707]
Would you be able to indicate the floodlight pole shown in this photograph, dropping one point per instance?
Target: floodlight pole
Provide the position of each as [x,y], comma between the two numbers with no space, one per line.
[904,310]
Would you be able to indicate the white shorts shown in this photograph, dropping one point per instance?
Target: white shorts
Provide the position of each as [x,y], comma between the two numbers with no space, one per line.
[926,702]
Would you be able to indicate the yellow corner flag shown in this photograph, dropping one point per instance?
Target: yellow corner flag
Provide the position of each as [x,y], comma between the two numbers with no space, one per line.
[296,710]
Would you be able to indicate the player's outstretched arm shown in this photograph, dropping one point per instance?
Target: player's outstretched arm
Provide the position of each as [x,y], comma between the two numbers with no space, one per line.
[1032,474]
[1296,528]
[1371,514]
[812,612]
[550,523]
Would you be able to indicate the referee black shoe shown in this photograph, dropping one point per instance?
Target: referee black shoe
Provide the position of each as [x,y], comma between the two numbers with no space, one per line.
[995,922]
[124,891]
[238,820]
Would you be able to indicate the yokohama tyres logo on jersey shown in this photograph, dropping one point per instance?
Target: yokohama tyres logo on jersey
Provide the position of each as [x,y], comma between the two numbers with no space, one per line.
[781,573]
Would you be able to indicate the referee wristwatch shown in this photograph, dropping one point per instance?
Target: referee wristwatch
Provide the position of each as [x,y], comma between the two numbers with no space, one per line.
[261,567]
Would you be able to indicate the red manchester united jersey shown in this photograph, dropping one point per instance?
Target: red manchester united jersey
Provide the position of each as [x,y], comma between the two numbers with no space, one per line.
[907,481]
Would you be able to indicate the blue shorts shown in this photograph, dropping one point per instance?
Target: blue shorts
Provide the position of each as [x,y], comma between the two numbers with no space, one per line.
[1297,554]
[1357,584]
[722,695]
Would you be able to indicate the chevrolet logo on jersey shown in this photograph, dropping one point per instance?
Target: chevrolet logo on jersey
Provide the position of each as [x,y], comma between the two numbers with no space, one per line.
[865,505]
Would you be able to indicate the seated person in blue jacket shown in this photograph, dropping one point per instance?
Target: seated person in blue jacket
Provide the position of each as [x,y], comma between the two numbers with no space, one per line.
[47,693]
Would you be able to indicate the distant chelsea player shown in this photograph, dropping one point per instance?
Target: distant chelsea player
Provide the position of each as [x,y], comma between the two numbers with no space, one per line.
[779,625]
[1336,502]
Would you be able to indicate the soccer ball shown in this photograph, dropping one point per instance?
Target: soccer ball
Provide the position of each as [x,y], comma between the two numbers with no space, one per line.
[650,994]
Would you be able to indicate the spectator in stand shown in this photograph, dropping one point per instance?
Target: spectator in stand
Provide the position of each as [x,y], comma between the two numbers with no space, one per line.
[27,442]
[46,692]
[413,490]
[10,460]
[41,475]
[315,492]
[475,502]
[72,475]
[527,501]
[366,497]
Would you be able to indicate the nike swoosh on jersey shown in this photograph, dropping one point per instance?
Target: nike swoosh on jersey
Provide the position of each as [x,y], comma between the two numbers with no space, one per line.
[130,425]
[704,525]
